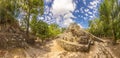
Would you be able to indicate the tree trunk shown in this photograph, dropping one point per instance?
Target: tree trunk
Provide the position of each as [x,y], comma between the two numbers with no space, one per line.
[114,34]
[28,21]
[114,38]
[27,30]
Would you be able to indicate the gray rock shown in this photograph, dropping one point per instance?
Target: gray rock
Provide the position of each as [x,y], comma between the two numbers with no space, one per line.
[75,39]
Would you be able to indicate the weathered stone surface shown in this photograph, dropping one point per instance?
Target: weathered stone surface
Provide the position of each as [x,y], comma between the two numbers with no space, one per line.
[74,34]
[75,39]
[83,40]
[13,38]
[73,46]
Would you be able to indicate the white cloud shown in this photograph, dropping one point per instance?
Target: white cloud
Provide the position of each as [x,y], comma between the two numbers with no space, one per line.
[81,9]
[84,2]
[58,19]
[77,11]
[48,1]
[91,16]
[47,10]
[68,15]
[67,22]
[62,9]
[86,14]
[80,25]
[86,10]
[93,4]
[41,18]
[89,12]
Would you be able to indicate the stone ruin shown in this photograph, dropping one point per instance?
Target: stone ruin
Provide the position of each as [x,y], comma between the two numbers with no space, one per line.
[75,39]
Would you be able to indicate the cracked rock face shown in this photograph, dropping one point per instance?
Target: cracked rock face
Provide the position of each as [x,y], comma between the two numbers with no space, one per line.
[74,39]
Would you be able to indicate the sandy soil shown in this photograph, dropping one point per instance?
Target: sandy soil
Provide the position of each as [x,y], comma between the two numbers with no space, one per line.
[52,50]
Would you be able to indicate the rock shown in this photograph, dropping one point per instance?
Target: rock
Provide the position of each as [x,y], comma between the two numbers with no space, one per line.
[10,40]
[83,40]
[74,47]
[30,41]
[75,39]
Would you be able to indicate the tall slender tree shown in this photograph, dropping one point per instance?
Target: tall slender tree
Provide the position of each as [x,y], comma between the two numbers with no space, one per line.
[31,7]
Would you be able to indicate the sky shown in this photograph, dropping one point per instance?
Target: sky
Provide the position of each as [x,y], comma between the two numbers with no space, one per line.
[64,12]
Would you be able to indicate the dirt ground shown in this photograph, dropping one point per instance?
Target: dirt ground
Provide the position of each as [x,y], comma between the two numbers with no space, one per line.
[116,49]
[52,50]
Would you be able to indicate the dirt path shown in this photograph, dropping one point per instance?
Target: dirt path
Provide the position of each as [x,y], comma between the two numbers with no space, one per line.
[52,50]
[101,51]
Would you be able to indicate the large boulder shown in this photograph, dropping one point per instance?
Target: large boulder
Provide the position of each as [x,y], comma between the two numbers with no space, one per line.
[75,39]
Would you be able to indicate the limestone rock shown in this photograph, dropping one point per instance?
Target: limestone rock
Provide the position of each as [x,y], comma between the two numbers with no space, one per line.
[75,39]
[73,46]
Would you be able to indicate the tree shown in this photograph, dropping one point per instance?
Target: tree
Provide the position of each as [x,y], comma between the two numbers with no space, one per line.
[42,30]
[108,21]
[8,13]
[39,28]
[96,27]
[54,30]
[31,7]
[109,13]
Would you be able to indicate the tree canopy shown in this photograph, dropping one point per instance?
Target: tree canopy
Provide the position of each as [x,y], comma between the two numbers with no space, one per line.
[107,24]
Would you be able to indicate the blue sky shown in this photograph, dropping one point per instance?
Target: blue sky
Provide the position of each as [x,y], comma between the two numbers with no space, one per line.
[64,12]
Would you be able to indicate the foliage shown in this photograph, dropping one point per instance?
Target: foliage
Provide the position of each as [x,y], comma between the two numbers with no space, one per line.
[11,9]
[7,11]
[31,7]
[43,30]
[107,24]
[39,28]
[8,15]
[54,30]
[63,29]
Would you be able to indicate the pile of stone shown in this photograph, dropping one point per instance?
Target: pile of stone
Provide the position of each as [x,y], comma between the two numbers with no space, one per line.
[75,39]
[12,37]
